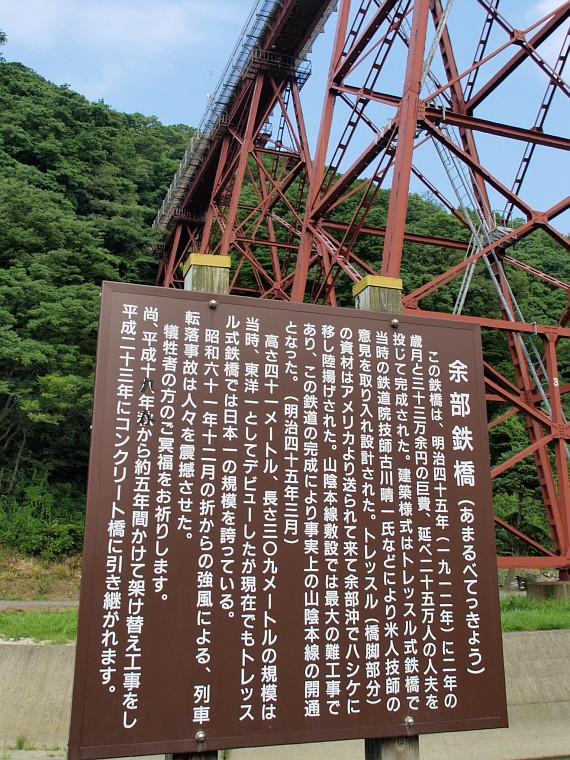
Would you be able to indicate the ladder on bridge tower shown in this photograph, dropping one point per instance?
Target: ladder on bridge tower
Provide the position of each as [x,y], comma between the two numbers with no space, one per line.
[485,231]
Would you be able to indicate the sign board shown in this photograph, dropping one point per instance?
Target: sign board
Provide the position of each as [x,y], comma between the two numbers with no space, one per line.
[289,528]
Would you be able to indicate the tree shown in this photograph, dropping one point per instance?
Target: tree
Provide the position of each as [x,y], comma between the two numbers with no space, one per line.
[517,498]
[79,187]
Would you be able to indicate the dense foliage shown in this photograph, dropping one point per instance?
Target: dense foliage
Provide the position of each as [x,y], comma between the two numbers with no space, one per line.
[79,187]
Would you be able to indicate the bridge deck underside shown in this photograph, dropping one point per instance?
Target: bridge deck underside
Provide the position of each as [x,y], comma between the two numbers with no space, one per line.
[289,30]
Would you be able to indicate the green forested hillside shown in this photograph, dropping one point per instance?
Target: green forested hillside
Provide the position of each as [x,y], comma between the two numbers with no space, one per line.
[79,187]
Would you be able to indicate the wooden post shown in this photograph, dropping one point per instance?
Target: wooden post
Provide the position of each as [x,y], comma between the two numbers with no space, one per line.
[400,748]
[204,273]
[375,293]
[384,294]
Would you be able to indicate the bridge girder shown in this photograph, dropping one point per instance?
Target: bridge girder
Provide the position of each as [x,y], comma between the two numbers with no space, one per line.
[299,223]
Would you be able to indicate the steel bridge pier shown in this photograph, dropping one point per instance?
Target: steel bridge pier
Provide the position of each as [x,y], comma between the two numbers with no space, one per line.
[421,96]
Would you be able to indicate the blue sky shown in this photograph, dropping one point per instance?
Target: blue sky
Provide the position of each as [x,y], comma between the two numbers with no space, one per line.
[158,57]
[150,56]
[163,57]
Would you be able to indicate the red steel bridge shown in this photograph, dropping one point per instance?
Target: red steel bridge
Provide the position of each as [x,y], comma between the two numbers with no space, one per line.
[464,101]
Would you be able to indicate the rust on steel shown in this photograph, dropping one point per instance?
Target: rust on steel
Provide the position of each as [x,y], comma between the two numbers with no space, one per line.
[399,85]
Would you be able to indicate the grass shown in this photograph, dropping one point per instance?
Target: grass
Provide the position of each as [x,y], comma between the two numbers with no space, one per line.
[53,626]
[22,743]
[25,578]
[60,626]
[521,614]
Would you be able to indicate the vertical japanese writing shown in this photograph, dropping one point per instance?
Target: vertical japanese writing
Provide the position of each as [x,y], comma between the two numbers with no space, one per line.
[315,472]
[311,543]
[445,603]
[269,556]
[116,525]
[140,501]
[187,413]
[464,473]
[248,549]
[165,455]
[229,489]
[431,683]
[292,440]
[330,494]
[207,424]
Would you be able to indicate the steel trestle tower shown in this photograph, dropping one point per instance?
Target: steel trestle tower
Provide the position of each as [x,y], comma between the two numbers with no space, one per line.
[463,101]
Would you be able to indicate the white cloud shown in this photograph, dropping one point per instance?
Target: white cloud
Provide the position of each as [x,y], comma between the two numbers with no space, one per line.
[545,6]
[550,48]
[153,25]
[35,22]
[119,25]
[110,49]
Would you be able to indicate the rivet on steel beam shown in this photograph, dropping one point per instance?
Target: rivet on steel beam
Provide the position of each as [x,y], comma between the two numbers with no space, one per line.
[394,323]
[200,735]
[213,304]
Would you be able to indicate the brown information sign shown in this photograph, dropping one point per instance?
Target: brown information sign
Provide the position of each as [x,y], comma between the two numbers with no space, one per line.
[289,529]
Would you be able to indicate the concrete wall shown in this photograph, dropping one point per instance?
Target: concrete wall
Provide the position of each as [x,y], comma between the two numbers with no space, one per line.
[36,683]
[35,693]
[537,672]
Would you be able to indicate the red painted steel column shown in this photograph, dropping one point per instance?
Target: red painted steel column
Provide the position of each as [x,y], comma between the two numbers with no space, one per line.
[559,429]
[246,149]
[317,171]
[407,117]
[207,231]
[169,273]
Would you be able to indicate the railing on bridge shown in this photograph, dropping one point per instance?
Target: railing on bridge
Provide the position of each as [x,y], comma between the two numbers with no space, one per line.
[246,57]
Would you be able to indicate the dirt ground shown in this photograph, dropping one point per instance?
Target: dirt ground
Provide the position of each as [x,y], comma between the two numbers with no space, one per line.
[31,578]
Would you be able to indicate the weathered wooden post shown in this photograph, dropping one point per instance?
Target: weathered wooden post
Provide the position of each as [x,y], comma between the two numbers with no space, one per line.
[384,294]
[205,273]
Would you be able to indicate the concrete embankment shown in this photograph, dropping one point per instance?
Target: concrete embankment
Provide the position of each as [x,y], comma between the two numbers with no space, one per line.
[36,684]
